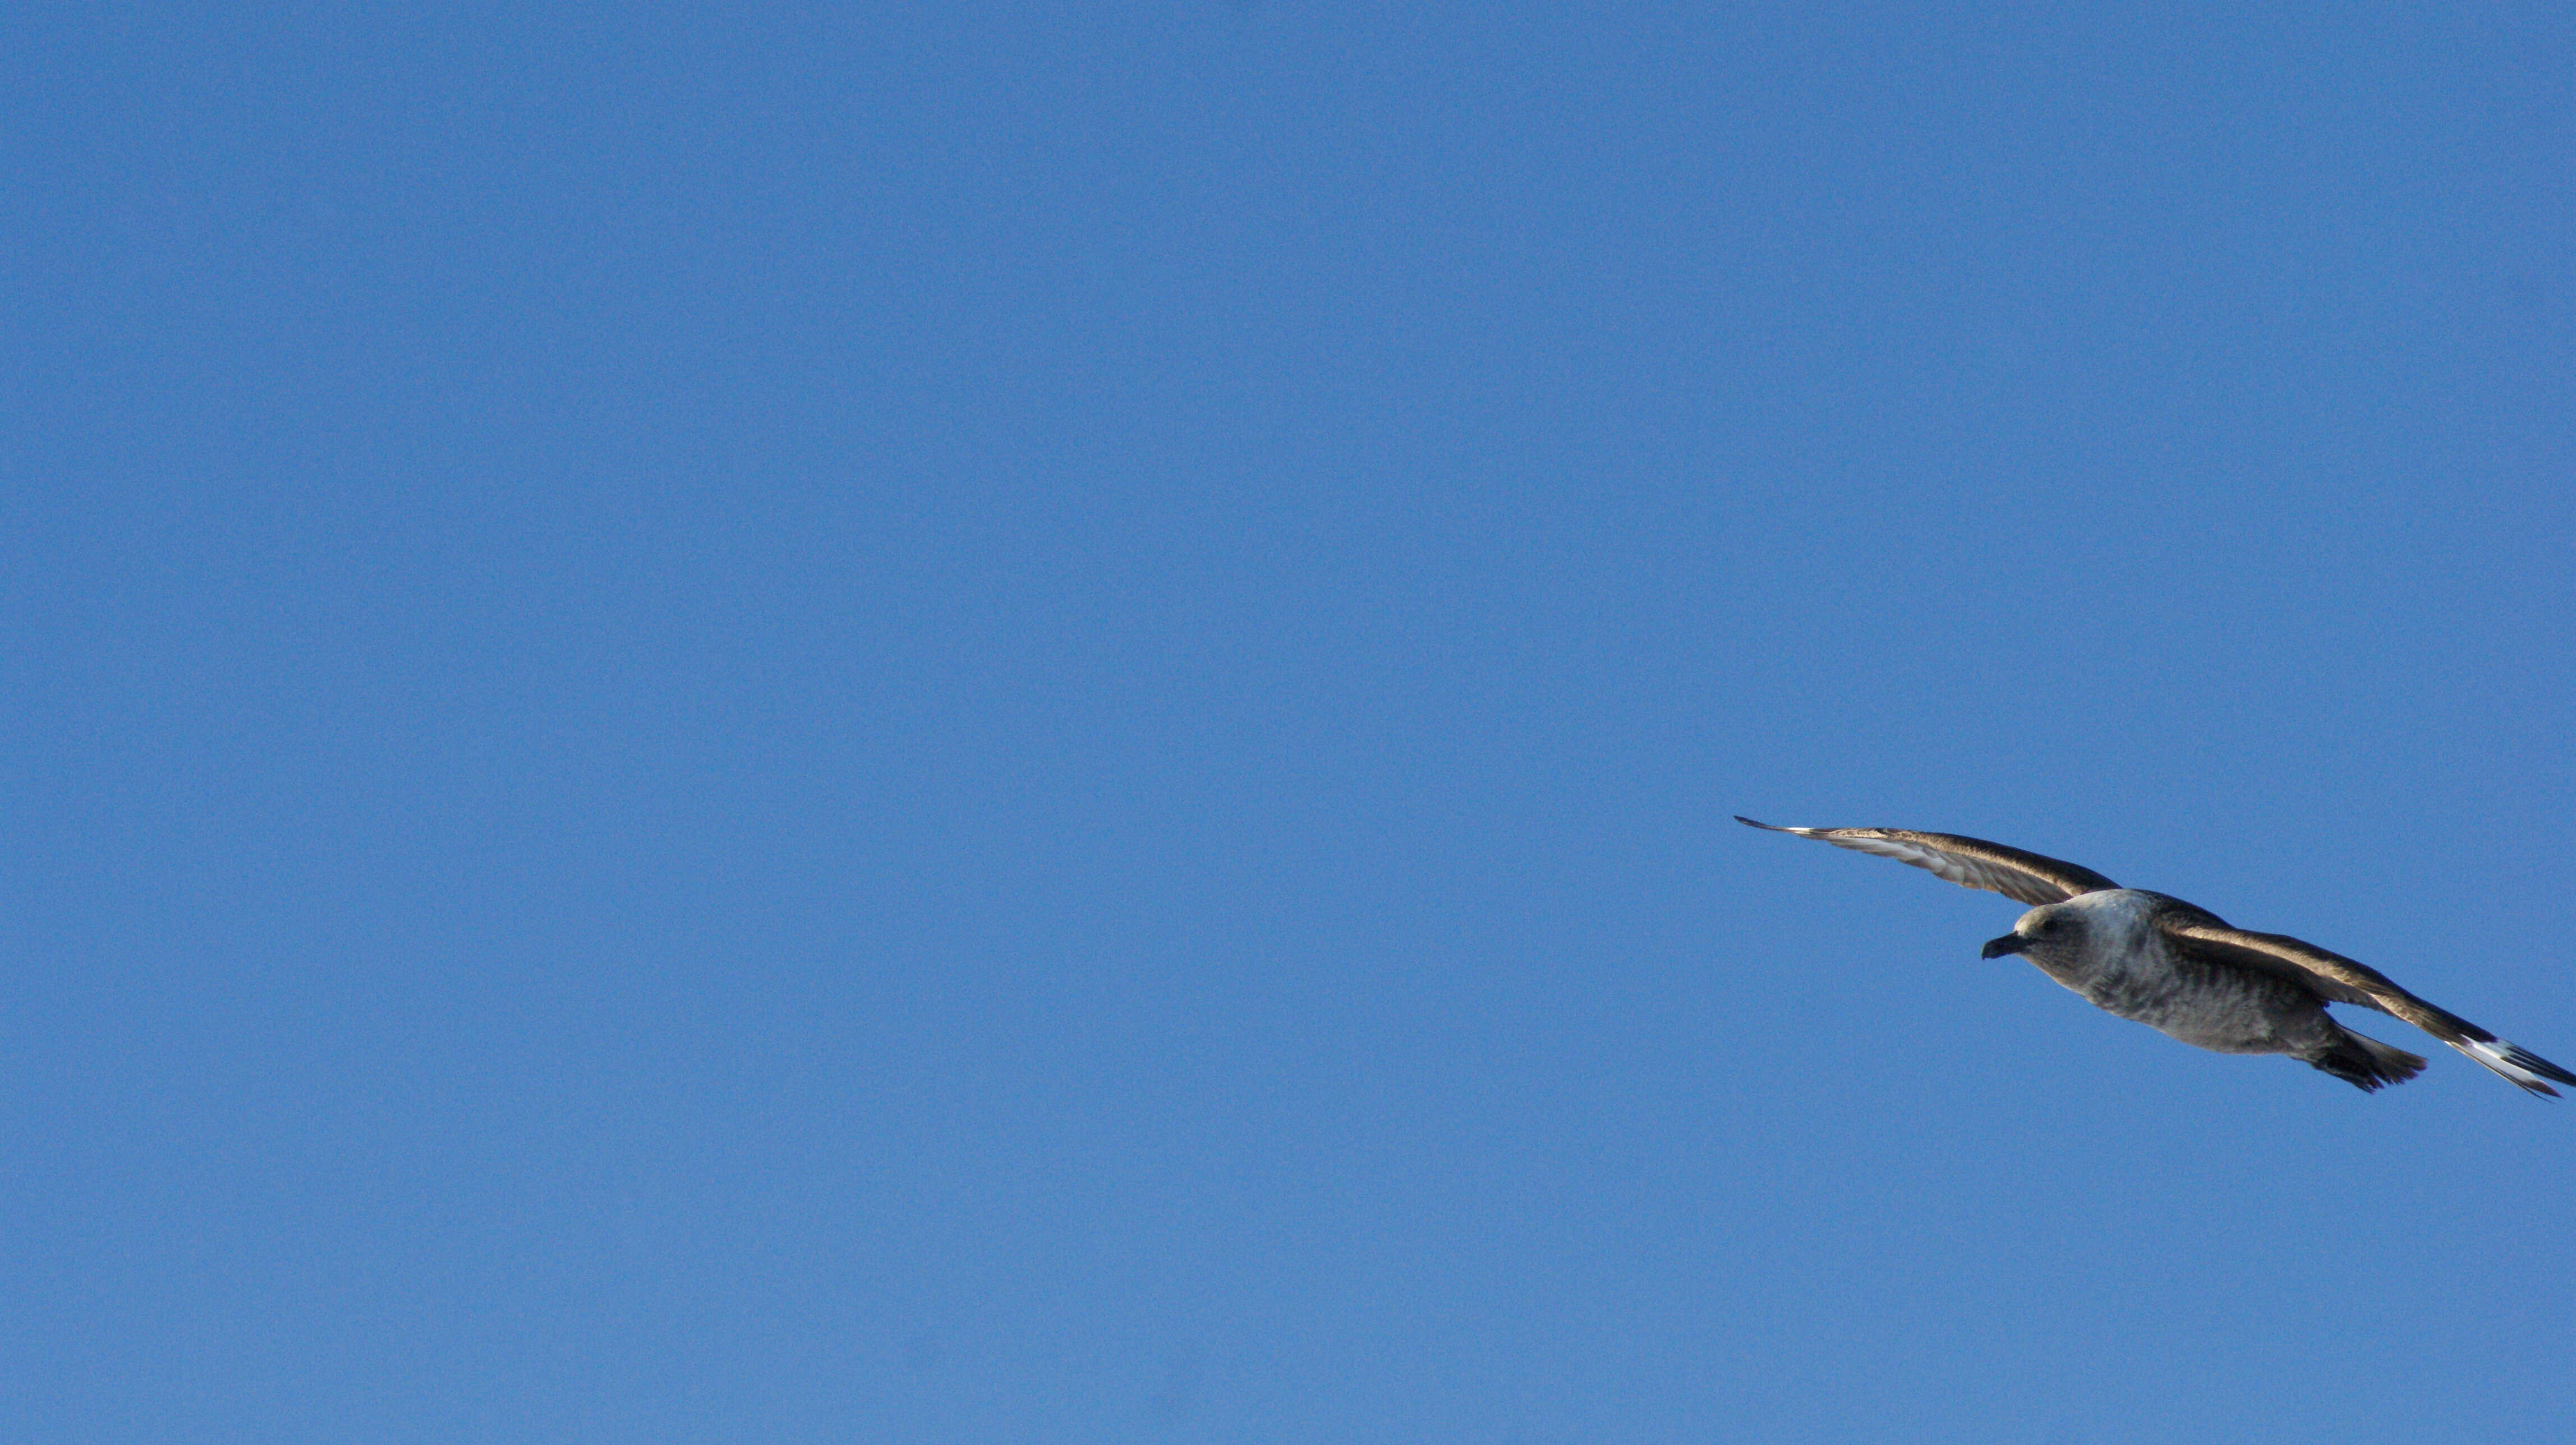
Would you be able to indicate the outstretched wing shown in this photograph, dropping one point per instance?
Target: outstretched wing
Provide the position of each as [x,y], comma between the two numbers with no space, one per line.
[2333,976]
[1968,862]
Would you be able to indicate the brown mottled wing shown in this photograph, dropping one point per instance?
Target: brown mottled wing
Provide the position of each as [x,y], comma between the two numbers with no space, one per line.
[1968,862]
[2333,976]
[2327,975]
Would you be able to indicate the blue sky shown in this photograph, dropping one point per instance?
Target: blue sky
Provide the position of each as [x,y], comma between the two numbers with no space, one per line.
[1000,722]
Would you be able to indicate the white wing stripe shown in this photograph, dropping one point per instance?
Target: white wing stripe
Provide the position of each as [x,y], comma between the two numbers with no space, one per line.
[2499,1055]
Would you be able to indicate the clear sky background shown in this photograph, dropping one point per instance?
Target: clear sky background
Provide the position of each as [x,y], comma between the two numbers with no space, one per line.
[989,722]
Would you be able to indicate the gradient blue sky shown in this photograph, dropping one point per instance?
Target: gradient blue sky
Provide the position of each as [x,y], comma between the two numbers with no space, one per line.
[991,722]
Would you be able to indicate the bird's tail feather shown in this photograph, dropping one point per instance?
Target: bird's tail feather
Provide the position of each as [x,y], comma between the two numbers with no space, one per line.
[2366,1064]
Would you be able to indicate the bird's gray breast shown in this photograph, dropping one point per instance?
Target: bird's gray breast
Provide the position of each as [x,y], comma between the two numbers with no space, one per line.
[2124,965]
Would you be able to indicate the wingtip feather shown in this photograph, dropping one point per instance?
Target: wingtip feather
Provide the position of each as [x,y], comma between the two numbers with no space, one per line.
[2526,1059]
[2516,1065]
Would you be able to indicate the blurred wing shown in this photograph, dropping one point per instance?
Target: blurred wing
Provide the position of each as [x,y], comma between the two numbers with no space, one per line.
[1968,862]
[2333,976]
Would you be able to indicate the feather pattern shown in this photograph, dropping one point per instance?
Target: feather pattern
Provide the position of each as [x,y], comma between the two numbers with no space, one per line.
[1968,862]
[2199,933]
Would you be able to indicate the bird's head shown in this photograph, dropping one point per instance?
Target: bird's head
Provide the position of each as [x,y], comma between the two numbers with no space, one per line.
[2052,923]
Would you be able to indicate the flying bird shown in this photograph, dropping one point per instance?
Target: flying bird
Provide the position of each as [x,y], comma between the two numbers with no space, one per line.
[2182,971]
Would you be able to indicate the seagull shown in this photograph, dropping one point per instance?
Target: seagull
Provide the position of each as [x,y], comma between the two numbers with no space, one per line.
[2182,971]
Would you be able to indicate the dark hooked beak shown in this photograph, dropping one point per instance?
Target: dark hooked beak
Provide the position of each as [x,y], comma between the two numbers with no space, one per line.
[2009,943]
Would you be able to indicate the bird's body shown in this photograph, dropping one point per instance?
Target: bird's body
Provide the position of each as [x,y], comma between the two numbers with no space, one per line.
[2182,971]
[2122,967]
[2124,964]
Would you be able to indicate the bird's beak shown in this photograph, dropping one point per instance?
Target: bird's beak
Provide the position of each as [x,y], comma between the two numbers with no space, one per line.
[2009,943]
